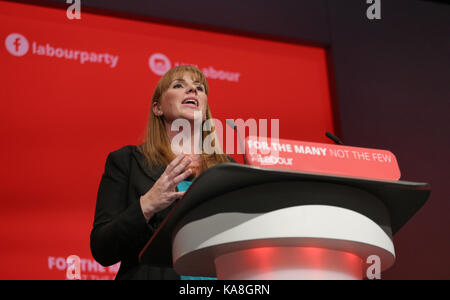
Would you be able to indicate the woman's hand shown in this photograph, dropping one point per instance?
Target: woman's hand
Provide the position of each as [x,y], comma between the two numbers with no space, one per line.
[163,192]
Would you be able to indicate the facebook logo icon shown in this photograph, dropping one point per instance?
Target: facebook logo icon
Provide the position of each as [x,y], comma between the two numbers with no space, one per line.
[16,44]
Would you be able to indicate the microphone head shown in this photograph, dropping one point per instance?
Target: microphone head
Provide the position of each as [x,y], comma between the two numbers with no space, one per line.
[334,138]
[329,135]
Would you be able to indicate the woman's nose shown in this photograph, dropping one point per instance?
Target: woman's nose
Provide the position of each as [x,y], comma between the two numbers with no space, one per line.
[191,89]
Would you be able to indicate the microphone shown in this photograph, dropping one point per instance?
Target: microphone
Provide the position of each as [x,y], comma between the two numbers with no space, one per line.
[334,138]
[233,126]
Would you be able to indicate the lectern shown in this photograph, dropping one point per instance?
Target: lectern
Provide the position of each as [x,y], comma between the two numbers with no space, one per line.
[248,222]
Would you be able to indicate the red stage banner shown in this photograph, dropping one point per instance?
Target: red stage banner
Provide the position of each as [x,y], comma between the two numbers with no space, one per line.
[74,90]
[322,158]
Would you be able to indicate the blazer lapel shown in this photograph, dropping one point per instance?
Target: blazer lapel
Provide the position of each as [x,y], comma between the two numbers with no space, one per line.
[153,172]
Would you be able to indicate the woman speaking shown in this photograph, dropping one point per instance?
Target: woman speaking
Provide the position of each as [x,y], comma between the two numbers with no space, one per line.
[141,183]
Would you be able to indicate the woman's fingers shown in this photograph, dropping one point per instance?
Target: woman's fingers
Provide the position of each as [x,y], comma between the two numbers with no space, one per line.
[174,162]
[178,195]
[182,176]
[173,182]
[180,167]
[174,174]
[177,166]
[163,192]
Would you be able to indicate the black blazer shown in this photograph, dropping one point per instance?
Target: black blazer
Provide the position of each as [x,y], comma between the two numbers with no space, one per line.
[120,230]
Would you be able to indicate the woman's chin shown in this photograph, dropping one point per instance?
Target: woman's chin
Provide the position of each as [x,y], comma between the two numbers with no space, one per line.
[191,115]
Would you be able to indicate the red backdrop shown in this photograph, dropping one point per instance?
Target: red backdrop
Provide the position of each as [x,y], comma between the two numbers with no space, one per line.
[82,89]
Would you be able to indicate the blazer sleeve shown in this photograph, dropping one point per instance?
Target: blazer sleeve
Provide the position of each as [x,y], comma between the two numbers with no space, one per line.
[120,229]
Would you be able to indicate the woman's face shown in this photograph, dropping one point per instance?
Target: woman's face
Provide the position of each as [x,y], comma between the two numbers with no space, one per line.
[183,97]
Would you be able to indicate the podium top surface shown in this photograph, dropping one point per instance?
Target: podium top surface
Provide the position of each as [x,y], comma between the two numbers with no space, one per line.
[401,198]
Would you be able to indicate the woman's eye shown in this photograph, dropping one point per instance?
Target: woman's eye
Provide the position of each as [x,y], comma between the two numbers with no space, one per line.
[200,88]
[178,85]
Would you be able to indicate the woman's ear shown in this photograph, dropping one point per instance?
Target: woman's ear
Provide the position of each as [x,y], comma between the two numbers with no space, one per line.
[156,107]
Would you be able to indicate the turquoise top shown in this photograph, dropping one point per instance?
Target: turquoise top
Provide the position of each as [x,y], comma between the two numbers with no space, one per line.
[183,186]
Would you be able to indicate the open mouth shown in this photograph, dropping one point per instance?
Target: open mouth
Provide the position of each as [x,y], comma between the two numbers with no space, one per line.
[191,102]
